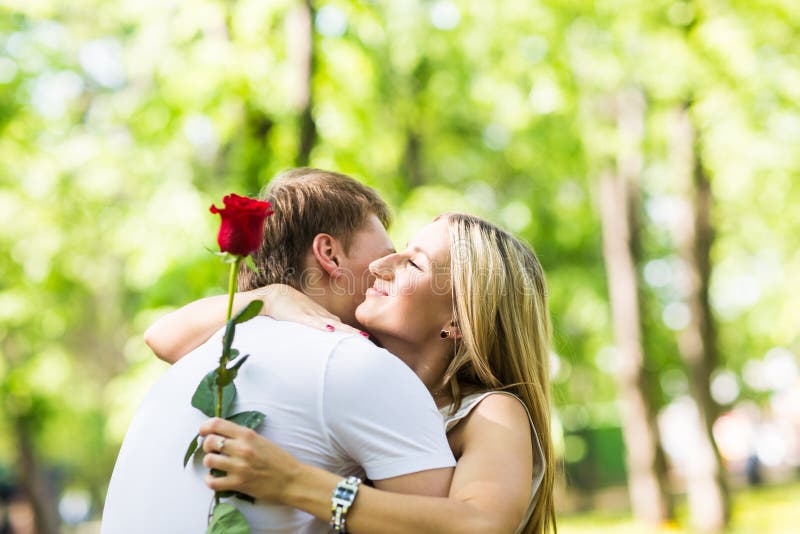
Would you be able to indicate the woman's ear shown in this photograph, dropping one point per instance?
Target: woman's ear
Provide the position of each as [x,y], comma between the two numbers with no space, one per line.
[325,249]
[451,331]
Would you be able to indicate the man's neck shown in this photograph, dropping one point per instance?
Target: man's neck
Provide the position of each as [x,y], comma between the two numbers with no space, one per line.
[322,294]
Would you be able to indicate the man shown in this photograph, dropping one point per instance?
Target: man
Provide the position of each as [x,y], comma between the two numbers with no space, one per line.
[331,399]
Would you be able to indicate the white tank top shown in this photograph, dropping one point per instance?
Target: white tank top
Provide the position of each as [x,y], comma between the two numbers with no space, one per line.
[467,404]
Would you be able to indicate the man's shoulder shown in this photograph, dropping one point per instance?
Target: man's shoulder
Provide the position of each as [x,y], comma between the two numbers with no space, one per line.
[278,339]
[358,362]
[356,350]
[267,334]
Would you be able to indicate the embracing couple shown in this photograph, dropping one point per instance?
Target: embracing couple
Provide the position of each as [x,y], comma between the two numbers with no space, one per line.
[404,391]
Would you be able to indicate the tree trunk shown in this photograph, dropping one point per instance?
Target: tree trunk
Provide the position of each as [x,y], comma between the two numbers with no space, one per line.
[22,416]
[706,488]
[619,192]
[413,159]
[33,480]
[300,33]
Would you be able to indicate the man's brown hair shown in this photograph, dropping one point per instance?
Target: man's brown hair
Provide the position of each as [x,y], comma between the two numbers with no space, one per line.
[307,202]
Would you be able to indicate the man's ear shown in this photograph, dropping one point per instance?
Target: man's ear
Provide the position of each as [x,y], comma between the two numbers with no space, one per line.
[325,249]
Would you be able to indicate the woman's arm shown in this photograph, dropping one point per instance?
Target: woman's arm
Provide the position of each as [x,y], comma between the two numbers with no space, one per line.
[178,333]
[489,493]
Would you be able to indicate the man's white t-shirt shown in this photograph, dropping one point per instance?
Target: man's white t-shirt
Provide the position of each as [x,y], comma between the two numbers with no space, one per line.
[332,400]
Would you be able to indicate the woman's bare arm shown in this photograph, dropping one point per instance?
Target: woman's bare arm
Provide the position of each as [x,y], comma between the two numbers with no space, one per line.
[489,492]
[178,333]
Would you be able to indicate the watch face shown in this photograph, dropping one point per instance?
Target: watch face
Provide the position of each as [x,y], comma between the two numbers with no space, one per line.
[345,494]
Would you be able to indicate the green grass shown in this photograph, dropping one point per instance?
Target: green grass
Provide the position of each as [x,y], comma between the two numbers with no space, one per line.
[769,510]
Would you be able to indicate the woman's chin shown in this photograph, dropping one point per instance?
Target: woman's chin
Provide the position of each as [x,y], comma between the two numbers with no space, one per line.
[373,309]
[363,313]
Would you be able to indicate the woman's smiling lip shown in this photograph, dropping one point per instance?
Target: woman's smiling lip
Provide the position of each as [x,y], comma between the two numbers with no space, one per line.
[377,292]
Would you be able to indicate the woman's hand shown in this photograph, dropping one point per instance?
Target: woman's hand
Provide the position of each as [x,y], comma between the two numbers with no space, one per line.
[285,303]
[253,464]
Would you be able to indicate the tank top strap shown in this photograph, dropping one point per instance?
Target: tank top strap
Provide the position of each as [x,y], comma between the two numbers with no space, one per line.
[468,403]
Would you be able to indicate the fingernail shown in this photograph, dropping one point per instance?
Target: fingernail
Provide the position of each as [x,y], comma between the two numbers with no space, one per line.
[364,333]
[329,327]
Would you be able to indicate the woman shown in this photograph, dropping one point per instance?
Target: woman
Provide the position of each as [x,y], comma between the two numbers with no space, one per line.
[488,289]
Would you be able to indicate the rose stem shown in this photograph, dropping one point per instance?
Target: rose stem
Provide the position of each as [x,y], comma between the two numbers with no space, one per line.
[224,360]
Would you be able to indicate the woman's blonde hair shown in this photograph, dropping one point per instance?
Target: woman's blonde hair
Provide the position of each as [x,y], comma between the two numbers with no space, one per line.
[500,307]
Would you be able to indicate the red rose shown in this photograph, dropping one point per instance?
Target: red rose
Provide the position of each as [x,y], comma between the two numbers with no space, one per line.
[242,227]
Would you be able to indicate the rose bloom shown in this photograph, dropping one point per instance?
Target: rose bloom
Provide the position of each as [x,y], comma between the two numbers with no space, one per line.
[242,227]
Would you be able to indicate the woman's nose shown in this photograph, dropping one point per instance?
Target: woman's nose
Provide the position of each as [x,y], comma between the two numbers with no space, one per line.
[383,268]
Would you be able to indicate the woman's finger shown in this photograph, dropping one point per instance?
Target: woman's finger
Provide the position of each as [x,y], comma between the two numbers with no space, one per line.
[333,326]
[214,443]
[327,322]
[331,323]
[341,327]
[224,428]
[318,322]
[219,483]
[220,461]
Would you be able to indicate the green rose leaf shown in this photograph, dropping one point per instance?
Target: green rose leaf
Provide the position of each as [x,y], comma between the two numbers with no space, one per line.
[235,366]
[192,447]
[237,494]
[226,519]
[227,376]
[205,396]
[217,472]
[227,339]
[248,260]
[226,257]
[248,312]
[245,314]
[233,355]
[249,419]
[228,395]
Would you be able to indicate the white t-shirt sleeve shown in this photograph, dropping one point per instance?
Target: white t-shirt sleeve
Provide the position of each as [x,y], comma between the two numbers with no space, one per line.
[379,413]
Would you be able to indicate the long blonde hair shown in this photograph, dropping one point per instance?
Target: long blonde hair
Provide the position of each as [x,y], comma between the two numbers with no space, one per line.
[500,306]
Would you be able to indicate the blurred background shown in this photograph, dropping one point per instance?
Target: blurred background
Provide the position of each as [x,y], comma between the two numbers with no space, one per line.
[647,150]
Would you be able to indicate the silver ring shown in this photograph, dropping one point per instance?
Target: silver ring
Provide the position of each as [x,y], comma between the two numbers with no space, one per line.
[221,444]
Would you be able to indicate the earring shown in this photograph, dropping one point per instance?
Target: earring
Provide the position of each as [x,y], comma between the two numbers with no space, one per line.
[444,334]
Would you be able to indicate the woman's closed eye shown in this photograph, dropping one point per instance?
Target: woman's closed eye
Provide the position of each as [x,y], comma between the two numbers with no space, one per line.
[414,265]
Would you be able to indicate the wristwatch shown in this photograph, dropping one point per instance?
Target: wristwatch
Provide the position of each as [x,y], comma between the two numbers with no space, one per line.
[343,496]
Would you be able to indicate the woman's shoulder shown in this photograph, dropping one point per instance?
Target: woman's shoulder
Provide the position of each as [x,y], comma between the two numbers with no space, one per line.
[500,407]
[495,407]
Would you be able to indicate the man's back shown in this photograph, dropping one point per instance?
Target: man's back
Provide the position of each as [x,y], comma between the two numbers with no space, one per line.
[331,400]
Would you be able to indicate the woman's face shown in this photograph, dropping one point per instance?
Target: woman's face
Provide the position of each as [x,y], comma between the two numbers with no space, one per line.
[410,300]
